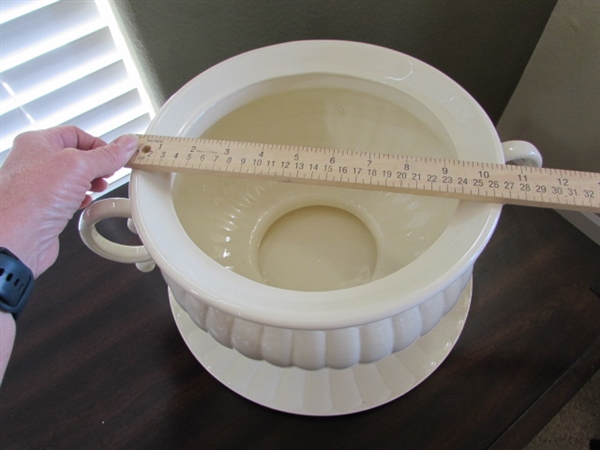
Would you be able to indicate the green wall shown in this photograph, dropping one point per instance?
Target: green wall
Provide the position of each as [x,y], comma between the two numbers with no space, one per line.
[482,44]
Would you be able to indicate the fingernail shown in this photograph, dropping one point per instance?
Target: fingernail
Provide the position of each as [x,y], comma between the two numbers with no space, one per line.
[127,141]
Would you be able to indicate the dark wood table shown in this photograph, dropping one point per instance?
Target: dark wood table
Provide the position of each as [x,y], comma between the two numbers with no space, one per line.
[99,362]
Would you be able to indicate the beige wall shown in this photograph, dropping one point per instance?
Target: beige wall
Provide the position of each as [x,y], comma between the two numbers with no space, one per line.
[556,105]
[557,102]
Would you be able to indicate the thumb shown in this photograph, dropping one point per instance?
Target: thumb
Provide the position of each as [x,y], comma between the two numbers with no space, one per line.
[111,157]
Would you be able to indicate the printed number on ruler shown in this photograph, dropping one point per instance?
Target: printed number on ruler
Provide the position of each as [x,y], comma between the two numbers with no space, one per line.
[490,182]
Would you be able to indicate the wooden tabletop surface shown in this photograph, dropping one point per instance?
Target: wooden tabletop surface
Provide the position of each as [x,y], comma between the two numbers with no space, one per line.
[99,363]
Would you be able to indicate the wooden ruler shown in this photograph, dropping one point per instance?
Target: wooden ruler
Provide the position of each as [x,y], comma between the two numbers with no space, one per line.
[488,182]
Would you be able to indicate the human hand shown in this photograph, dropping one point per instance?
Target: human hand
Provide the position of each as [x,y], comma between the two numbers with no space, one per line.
[45,180]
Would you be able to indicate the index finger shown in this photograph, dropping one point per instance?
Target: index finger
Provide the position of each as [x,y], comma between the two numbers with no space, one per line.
[75,137]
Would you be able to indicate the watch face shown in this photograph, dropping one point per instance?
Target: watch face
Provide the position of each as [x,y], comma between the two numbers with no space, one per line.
[16,283]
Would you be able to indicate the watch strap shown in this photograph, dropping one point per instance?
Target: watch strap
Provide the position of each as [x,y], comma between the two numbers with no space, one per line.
[16,283]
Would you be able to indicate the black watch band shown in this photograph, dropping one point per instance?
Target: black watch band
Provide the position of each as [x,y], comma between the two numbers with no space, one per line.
[16,283]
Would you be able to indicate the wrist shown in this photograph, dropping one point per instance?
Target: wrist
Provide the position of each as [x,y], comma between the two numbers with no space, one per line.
[16,233]
[19,248]
[7,338]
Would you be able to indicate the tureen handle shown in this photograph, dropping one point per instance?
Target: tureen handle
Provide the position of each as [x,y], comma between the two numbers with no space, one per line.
[522,153]
[106,209]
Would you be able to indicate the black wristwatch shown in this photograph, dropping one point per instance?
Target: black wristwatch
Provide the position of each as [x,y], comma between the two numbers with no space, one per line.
[16,283]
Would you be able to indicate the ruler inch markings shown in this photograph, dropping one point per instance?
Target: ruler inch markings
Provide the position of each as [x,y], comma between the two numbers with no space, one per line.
[467,180]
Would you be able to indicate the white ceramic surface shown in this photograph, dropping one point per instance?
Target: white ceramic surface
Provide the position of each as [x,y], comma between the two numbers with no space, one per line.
[333,328]
[326,392]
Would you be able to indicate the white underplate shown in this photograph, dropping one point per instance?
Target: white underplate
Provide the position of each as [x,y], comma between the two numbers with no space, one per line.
[326,392]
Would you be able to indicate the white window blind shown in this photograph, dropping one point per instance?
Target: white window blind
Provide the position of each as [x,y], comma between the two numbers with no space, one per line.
[65,62]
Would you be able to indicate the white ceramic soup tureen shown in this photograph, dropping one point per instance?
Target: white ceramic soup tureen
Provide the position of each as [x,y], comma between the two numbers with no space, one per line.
[234,252]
